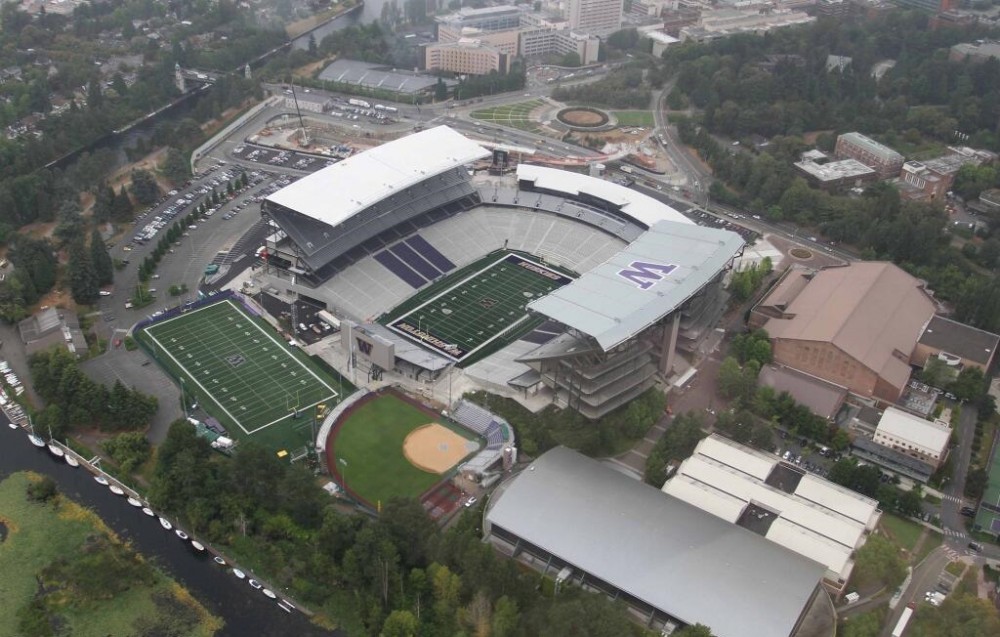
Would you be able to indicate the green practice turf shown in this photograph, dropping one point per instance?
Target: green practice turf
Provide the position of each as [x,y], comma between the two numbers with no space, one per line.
[241,371]
[465,313]
[513,115]
[370,442]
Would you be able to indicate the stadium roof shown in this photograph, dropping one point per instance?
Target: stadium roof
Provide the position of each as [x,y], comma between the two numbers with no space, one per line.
[661,550]
[928,437]
[335,193]
[636,205]
[647,280]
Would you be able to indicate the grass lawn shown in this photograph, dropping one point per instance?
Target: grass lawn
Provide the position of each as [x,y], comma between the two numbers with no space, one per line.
[634,118]
[904,533]
[513,115]
[370,442]
[931,542]
[40,534]
[955,568]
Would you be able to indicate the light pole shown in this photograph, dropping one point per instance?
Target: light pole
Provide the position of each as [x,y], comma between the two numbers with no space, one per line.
[184,398]
[343,474]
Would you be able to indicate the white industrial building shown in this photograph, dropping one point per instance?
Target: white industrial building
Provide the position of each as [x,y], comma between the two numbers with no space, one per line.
[790,507]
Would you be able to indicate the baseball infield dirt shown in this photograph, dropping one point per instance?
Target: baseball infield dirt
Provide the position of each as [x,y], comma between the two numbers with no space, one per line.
[436,448]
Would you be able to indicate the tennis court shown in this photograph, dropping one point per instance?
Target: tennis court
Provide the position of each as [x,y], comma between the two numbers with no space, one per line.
[482,306]
[228,358]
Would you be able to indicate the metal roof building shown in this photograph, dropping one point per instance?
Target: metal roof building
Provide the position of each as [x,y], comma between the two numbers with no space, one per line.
[913,435]
[802,512]
[663,556]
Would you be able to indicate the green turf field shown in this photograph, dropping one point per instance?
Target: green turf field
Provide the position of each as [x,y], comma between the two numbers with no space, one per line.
[634,118]
[241,371]
[369,450]
[469,311]
[513,115]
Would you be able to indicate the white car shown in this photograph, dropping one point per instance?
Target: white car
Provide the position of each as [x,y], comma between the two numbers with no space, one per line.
[471,502]
[104,293]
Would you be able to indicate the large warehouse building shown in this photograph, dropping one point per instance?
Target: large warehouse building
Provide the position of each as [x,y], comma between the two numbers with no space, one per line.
[589,525]
[363,236]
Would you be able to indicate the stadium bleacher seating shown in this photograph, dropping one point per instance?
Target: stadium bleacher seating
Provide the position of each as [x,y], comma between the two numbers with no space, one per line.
[497,432]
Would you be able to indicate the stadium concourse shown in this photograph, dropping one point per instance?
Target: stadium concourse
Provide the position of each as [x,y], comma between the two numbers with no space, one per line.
[545,285]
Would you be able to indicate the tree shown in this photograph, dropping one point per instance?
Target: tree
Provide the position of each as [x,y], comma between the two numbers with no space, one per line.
[83,277]
[104,267]
[505,617]
[129,450]
[144,187]
[42,490]
[960,616]
[175,167]
[969,384]
[878,561]
[571,59]
[730,378]
[677,443]
[696,630]
[440,90]
[976,482]
[864,625]
[400,623]
[937,373]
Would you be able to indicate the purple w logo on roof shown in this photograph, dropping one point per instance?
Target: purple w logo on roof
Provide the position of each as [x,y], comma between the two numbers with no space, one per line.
[644,274]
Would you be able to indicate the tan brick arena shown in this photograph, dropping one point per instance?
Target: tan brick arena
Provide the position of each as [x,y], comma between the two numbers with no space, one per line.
[436,448]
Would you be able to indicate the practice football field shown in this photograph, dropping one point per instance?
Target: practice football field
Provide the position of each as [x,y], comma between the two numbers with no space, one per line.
[249,374]
[479,307]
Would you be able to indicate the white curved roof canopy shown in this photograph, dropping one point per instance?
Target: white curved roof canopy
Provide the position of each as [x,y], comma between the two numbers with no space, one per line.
[336,193]
[642,208]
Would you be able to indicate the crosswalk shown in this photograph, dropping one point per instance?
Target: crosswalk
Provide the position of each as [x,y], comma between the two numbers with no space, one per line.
[956,534]
[952,498]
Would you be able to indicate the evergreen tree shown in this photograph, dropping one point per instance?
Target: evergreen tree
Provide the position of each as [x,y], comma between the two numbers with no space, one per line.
[104,267]
[122,205]
[83,278]
[175,167]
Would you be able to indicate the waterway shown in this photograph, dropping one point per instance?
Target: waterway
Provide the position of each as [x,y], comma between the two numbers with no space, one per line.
[371,12]
[246,611]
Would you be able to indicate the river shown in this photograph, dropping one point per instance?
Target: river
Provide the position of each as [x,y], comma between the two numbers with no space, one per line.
[371,12]
[245,611]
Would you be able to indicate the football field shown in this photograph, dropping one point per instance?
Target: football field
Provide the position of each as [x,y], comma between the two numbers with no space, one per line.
[241,368]
[480,307]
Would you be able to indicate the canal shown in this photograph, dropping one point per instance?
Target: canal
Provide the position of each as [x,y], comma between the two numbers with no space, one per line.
[245,611]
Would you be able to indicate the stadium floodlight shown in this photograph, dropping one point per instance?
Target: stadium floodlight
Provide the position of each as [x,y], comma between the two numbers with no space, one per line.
[342,461]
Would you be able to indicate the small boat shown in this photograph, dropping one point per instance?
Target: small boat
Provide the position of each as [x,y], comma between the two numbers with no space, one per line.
[239,574]
[148,511]
[219,560]
[35,440]
[134,502]
[287,603]
[166,524]
[117,490]
[71,461]
[268,593]
[181,534]
[55,450]
[101,480]
[254,584]
[197,545]
[283,607]
[12,425]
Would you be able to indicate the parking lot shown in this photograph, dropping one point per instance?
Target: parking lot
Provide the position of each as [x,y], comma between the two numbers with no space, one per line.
[282,158]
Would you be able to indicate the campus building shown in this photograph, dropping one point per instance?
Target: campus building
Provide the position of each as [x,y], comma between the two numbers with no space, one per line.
[975,52]
[836,175]
[854,326]
[594,17]
[957,344]
[885,161]
[931,180]
[915,436]
[586,524]
[720,23]
[466,57]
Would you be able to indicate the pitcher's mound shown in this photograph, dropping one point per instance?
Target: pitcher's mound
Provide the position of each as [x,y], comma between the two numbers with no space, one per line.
[436,448]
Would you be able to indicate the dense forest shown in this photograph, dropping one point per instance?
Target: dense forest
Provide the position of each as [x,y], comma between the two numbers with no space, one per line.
[777,88]
[395,575]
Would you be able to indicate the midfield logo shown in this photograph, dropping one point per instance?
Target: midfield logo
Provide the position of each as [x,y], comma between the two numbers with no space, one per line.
[364,346]
[644,274]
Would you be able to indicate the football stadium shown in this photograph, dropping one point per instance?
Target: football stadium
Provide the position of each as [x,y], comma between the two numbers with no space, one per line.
[539,282]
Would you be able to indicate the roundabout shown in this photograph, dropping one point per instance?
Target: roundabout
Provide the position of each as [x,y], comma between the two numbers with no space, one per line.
[583,118]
